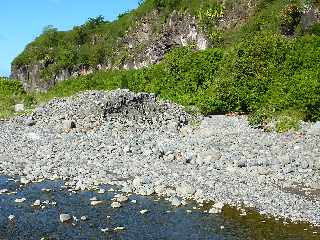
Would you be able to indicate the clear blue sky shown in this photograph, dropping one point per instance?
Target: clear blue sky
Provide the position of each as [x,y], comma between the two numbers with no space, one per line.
[23,20]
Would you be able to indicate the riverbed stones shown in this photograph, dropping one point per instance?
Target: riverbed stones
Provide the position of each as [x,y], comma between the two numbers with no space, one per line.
[222,157]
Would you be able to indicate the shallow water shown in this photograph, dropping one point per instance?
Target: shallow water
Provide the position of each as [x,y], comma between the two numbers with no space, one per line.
[161,222]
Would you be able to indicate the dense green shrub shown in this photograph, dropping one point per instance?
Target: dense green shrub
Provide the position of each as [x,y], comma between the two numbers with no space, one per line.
[11,92]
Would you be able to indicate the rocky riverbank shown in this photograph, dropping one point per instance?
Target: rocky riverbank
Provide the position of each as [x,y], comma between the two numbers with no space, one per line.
[150,146]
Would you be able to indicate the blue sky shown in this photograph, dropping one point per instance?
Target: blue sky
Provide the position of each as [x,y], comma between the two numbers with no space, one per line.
[23,20]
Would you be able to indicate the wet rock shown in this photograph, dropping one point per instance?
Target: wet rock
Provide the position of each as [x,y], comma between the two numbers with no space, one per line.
[65,217]
[96,202]
[116,205]
[19,200]
[144,211]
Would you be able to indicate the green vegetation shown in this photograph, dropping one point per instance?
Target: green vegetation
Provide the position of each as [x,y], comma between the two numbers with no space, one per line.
[96,41]
[254,69]
[11,92]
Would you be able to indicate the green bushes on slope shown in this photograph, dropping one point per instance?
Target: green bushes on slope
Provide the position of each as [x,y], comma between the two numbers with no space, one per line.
[268,76]
[11,92]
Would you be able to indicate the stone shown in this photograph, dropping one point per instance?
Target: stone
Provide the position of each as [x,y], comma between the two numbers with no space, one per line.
[19,200]
[68,125]
[19,107]
[185,190]
[23,180]
[175,202]
[2,191]
[96,202]
[116,205]
[36,203]
[119,228]
[144,211]
[101,191]
[122,198]
[65,217]
[315,129]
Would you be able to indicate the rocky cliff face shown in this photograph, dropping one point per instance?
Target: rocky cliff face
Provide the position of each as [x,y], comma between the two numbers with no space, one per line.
[145,43]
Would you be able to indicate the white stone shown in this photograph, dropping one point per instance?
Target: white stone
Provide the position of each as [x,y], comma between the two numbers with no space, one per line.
[36,203]
[19,107]
[115,205]
[96,202]
[20,200]
[65,217]
[119,228]
[144,211]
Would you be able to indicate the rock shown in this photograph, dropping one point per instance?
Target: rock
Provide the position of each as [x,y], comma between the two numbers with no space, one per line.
[185,190]
[19,107]
[47,190]
[119,228]
[2,191]
[116,205]
[144,211]
[101,191]
[30,122]
[208,157]
[36,203]
[23,180]
[315,129]
[121,198]
[127,189]
[145,190]
[218,205]
[33,136]
[139,181]
[65,217]
[160,189]
[175,202]
[68,125]
[96,202]
[20,200]
[214,211]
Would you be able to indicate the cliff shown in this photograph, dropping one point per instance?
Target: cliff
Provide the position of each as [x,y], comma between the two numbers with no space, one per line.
[143,36]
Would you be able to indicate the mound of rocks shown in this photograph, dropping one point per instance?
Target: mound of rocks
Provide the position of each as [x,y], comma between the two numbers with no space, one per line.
[151,146]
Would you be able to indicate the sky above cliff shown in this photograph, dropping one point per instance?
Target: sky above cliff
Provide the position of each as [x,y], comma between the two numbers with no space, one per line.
[22,21]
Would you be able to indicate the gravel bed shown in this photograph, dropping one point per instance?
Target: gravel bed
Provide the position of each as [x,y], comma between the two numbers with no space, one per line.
[151,146]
